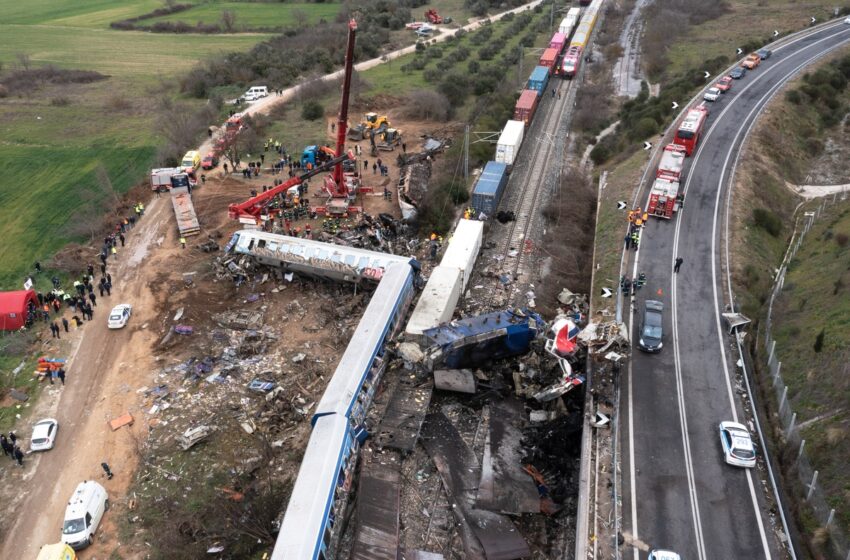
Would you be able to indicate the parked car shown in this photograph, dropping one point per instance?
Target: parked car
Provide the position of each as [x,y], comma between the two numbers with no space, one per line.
[84,513]
[44,434]
[119,315]
[663,555]
[651,331]
[847,21]
[711,94]
[209,162]
[738,448]
[738,72]
[724,84]
[764,54]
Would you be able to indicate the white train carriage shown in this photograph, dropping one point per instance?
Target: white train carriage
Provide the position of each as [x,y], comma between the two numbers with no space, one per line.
[320,495]
[353,384]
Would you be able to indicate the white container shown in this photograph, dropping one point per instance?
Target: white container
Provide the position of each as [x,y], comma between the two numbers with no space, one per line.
[437,302]
[509,142]
[463,249]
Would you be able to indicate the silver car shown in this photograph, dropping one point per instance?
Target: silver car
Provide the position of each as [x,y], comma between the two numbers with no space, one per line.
[738,448]
[663,555]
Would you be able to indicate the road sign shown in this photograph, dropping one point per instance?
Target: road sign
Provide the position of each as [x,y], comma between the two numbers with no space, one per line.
[647,146]
[675,105]
[28,284]
[814,19]
[621,205]
[707,75]
[740,50]
[775,33]
[606,292]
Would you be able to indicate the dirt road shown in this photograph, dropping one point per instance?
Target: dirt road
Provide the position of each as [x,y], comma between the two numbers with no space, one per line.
[106,367]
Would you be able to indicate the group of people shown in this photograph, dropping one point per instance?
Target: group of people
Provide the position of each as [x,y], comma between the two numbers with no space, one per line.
[11,448]
[637,220]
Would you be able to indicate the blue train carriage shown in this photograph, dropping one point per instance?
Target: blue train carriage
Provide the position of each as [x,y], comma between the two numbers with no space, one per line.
[320,495]
[352,387]
[538,79]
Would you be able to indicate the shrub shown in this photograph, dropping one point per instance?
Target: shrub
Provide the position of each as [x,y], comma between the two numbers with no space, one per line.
[472,67]
[600,153]
[455,87]
[60,101]
[768,221]
[793,96]
[432,75]
[818,345]
[312,111]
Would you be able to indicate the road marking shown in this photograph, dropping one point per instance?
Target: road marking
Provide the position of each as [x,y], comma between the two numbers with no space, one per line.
[759,106]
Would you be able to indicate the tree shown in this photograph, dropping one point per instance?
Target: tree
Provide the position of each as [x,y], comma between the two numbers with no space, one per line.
[24,60]
[312,111]
[301,18]
[228,20]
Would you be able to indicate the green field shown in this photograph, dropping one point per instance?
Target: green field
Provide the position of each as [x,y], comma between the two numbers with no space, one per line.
[50,151]
[745,21]
[255,14]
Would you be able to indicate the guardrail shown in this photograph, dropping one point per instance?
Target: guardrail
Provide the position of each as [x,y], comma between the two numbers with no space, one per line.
[794,443]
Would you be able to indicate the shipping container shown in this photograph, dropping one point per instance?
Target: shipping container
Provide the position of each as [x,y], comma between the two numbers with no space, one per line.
[489,187]
[526,105]
[558,41]
[507,148]
[438,301]
[538,79]
[463,248]
[568,24]
[548,59]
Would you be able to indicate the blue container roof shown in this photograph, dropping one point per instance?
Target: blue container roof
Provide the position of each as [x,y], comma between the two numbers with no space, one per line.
[539,73]
[488,182]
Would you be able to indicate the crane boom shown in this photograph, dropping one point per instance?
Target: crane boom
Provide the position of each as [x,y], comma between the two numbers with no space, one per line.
[256,205]
[342,122]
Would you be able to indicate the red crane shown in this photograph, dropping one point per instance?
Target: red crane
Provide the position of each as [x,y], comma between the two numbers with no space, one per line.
[335,184]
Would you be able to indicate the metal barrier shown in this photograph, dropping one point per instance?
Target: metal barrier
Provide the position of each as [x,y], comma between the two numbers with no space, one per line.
[813,497]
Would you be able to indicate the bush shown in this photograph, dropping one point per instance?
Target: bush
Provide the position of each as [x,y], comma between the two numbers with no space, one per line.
[427,105]
[455,87]
[60,101]
[472,67]
[768,221]
[818,345]
[312,111]
[794,96]
[600,153]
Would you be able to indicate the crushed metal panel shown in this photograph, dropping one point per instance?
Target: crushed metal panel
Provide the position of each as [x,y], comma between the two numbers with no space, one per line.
[402,421]
[422,555]
[735,320]
[457,380]
[378,511]
[459,470]
[505,487]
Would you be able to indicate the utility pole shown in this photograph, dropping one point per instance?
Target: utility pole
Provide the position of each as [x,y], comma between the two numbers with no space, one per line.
[466,153]
[552,15]
[519,68]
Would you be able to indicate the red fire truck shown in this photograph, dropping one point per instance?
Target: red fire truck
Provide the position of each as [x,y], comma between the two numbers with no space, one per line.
[664,196]
[690,129]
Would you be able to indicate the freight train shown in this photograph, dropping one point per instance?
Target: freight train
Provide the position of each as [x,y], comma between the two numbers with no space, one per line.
[561,58]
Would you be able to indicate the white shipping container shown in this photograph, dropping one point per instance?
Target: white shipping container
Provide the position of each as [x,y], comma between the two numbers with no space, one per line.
[507,148]
[463,249]
[437,302]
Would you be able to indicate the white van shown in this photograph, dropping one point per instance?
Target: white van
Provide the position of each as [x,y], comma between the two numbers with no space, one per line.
[84,514]
[255,93]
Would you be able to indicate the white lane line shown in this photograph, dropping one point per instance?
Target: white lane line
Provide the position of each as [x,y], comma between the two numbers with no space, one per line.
[680,397]
[632,468]
[759,103]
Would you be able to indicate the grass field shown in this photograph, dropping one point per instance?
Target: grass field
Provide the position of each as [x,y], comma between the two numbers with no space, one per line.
[250,15]
[91,13]
[745,21]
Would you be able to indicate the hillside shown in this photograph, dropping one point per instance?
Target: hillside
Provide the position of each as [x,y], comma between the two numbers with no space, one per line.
[810,316]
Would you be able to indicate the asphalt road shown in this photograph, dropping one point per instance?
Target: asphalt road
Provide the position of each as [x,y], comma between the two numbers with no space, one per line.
[678,493]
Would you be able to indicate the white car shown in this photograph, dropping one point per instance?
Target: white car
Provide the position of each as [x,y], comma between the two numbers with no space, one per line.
[119,315]
[712,94]
[738,448]
[44,434]
[663,555]
[847,21]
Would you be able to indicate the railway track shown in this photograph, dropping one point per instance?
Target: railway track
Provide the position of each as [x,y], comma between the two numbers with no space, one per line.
[526,195]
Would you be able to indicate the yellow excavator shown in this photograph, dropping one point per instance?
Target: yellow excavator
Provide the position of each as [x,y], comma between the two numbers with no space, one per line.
[371,122]
[390,139]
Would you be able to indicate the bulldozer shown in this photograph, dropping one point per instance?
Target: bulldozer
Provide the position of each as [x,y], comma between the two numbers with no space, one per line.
[371,121]
[390,138]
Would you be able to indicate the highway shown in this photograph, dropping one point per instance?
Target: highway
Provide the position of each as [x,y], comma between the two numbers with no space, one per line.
[678,493]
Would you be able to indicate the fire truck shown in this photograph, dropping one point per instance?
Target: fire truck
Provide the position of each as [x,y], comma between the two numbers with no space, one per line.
[690,130]
[664,196]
